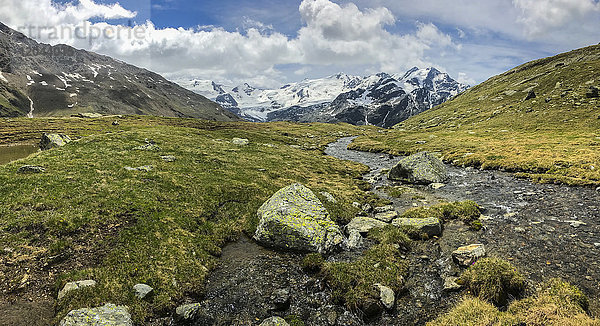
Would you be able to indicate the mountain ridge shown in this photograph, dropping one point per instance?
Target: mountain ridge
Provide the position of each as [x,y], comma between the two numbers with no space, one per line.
[381,99]
[38,79]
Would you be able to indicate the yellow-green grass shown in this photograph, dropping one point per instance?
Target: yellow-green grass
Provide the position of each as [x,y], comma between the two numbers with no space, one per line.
[87,217]
[556,303]
[554,137]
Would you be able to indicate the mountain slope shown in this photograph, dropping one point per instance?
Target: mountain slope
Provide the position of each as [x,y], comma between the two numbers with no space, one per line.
[60,80]
[541,118]
[381,99]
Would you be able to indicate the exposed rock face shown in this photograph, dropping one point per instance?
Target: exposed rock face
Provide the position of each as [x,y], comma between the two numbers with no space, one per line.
[72,286]
[107,315]
[530,95]
[420,168]
[430,226]
[467,255]
[274,321]
[295,219]
[49,141]
[363,225]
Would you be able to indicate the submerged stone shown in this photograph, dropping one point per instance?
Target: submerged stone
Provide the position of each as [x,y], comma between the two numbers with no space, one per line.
[420,168]
[295,219]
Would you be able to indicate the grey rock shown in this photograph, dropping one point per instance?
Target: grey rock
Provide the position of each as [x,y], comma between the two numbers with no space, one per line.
[31,169]
[88,115]
[420,168]
[592,92]
[355,240]
[187,312]
[356,204]
[383,209]
[366,208]
[430,226]
[143,291]
[530,95]
[450,284]
[387,296]
[437,185]
[329,197]
[281,299]
[107,315]
[240,141]
[168,158]
[115,123]
[149,146]
[295,219]
[145,168]
[274,321]
[467,255]
[50,141]
[386,217]
[72,286]
[363,225]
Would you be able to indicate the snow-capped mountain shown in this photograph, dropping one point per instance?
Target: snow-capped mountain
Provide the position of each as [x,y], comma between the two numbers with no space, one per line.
[382,99]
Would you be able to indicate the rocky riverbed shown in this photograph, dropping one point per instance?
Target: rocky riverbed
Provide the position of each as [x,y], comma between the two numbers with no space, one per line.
[545,230]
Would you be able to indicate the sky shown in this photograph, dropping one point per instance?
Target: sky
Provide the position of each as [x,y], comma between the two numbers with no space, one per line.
[268,43]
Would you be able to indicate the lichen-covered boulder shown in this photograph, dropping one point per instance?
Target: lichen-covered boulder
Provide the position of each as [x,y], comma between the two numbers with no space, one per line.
[107,315]
[295,219]
[49,141]
[430,226]
[420,168]
[274,321]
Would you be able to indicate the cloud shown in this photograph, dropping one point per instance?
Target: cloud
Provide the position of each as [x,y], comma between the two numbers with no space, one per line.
[539,17]
[331,35]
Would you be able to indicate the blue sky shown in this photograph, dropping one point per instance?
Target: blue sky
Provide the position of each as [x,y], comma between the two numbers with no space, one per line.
[271,42]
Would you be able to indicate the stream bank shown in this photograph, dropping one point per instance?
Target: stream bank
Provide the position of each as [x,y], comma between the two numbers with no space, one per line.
[544,230]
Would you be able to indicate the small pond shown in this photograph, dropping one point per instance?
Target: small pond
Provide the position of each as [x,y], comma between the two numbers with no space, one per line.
[12,153]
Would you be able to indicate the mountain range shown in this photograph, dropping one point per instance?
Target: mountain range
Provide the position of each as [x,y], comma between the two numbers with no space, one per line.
[381,99]
[42,80]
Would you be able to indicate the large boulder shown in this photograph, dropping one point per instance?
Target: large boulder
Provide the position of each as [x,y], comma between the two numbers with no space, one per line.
[420,168]
[49,141]
[295,219]
[107,315]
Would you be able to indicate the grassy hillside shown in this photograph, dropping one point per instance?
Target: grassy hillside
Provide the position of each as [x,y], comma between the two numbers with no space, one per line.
[87,217]
[554,137]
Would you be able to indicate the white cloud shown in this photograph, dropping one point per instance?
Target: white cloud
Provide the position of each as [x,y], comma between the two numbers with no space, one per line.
[332,35]
[465,79]
[539,17]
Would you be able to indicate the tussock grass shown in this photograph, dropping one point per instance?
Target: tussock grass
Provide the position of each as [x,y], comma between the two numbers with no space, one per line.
[493,280]
[556,303]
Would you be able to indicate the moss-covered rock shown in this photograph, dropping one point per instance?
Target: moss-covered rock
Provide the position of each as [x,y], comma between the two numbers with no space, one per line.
[420,168]
[49,141]
[430,226]
[107,315]
[295,219]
